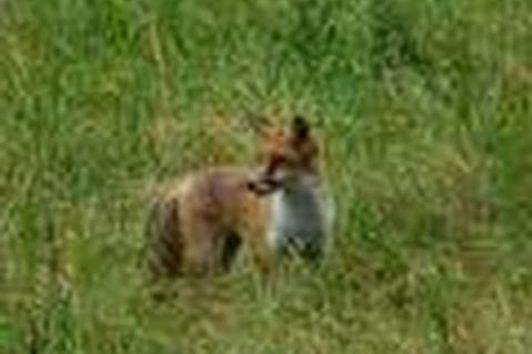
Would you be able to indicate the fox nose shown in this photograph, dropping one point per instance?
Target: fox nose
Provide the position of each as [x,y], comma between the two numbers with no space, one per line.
[257,187]
[263,185]
[251,185]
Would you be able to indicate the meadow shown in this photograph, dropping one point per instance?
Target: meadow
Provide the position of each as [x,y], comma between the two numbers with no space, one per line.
[426,112]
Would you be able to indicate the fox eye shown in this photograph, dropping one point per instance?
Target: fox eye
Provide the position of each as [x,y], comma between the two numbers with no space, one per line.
[276,162]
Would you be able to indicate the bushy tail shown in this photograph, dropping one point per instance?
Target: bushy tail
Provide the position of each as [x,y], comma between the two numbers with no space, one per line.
[164,239]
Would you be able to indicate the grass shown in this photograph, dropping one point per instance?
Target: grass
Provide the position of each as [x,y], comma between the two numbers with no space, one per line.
[426,109]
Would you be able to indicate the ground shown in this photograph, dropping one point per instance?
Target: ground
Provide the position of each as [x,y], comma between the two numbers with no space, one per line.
[425,111]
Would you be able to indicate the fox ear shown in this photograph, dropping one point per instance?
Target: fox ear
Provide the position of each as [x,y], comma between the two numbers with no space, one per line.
[300,127]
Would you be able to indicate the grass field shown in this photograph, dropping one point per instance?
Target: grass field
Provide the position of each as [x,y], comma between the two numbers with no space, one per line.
[426,109]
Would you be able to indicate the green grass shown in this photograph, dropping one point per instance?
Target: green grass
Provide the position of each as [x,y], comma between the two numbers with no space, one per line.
[426,109]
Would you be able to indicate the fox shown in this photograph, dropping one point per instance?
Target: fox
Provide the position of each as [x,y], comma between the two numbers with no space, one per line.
[279,206]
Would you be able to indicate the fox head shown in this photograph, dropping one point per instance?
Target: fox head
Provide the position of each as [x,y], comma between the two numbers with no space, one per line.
[289,156]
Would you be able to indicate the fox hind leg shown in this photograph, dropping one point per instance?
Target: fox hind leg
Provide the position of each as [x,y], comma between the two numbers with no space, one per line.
[164,239]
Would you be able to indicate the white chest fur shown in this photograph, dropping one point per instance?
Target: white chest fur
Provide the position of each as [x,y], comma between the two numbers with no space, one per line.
[301,218]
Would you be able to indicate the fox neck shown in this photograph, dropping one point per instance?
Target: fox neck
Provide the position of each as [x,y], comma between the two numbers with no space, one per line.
[299,214]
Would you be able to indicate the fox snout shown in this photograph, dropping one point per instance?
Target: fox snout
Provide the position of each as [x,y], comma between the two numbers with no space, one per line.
[265,181]
[263,185]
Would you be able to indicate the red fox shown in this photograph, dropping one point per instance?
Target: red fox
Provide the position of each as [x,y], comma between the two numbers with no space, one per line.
[199,224]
